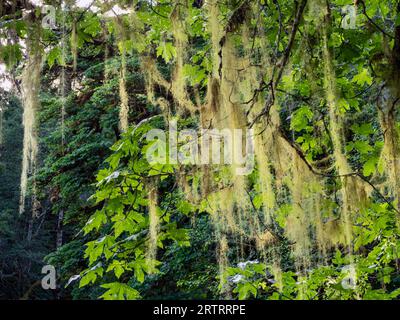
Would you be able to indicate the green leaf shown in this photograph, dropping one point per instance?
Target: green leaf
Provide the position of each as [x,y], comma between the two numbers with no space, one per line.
[301,118]
[185,207]
[55,55]
[369,166]
[362,129]
[363,77]
[363,147]
[194,74]
[10,54]
[91,25]
[119,291]
[166,50]
[117,267]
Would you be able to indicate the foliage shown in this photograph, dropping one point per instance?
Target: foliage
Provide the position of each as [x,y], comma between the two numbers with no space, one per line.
[319,215]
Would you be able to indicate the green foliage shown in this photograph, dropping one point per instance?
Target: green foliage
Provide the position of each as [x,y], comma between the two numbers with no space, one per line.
[122,222]
[249,278]
[374,275]
[105,236]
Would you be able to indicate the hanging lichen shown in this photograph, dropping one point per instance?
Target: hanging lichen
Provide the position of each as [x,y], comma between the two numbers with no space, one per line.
[30,87]
[123,93]
[293,191]
[215,32]
[74,46]
[178,83]
[336,121]
[223,262]
[389,160]
[124,108]
[154,223]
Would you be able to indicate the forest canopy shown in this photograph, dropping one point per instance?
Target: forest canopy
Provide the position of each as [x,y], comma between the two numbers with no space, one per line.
[200,149]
